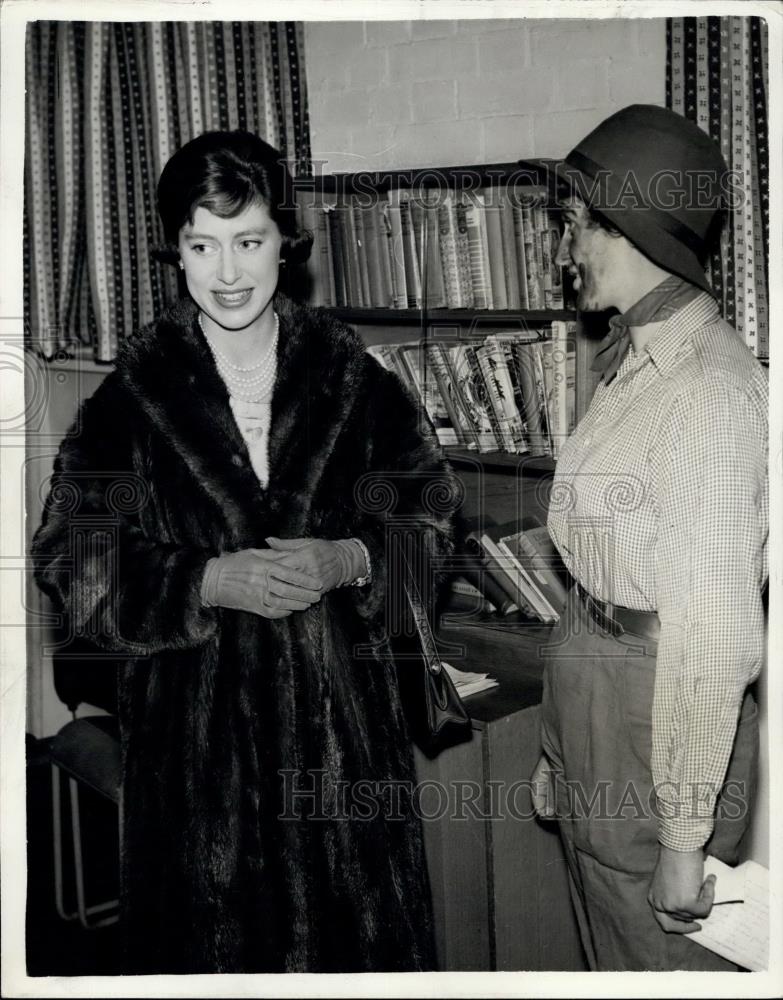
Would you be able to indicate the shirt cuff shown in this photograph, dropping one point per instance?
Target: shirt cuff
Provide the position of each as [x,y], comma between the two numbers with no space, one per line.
[684,834]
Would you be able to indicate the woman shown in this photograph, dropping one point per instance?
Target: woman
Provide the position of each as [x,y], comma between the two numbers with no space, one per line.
[245,580]
[660,510]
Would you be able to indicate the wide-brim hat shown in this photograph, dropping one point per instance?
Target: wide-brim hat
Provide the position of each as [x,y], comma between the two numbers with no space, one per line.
[655,176]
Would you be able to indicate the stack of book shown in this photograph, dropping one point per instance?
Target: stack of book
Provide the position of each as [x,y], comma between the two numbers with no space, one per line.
[492,248]
[508,392]
[517,571]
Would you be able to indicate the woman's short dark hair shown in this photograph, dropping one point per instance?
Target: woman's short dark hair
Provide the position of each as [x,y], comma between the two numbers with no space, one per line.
[225,172]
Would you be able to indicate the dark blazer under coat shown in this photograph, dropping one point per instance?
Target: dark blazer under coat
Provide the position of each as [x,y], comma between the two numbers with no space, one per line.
[221,711]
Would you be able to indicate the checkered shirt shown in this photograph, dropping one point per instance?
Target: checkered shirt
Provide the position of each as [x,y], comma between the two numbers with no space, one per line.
[661,503]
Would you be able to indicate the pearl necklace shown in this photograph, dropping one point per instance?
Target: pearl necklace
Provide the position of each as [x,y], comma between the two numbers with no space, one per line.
[250,388]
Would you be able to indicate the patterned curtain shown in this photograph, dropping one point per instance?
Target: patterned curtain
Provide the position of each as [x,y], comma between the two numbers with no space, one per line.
[717,75]
[107,104]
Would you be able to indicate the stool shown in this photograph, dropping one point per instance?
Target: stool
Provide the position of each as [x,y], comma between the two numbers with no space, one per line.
[88,751]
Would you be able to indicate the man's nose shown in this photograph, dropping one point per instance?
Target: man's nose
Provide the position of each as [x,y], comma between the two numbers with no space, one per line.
[227,268]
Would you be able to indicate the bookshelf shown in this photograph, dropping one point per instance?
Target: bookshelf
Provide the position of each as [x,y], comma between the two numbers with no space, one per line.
[446,257]
[499,887]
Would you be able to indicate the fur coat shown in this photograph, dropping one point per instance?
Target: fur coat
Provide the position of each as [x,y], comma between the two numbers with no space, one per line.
[247,742]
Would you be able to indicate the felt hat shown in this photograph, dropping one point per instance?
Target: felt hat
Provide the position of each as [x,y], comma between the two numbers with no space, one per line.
[655,176]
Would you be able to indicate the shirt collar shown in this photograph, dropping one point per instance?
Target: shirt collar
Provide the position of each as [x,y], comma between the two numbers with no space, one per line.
[674,338]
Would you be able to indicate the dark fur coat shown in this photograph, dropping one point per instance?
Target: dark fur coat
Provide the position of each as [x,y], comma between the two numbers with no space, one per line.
[223,711]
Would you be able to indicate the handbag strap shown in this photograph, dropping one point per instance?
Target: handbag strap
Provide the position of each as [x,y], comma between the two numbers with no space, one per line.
[421,620]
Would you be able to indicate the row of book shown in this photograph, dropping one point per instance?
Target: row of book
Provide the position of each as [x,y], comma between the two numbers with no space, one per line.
[521,571]
[492,248]
[508,392]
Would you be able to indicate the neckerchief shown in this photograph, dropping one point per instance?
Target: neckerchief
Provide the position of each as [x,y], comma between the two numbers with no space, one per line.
[657,305]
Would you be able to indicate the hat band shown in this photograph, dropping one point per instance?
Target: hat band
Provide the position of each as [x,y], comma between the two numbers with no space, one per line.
[681,232]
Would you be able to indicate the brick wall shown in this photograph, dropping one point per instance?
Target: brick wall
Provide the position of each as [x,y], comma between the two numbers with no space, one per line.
[426,93]
[417,93]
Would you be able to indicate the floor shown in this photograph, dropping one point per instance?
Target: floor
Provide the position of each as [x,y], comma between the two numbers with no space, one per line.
[56,946]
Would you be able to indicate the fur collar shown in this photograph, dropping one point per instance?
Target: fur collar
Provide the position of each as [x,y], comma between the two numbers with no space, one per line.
[168,369]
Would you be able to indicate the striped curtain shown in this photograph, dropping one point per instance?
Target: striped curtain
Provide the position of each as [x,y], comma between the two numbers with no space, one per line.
[107,104]
[717,75]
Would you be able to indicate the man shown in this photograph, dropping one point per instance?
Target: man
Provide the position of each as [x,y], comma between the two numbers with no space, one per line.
[660,511]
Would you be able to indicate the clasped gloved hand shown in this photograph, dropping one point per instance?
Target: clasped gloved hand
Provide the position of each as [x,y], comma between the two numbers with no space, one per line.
[259,581]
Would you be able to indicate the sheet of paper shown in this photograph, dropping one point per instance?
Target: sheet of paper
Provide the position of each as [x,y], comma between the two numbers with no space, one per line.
[738,931]
[468,683]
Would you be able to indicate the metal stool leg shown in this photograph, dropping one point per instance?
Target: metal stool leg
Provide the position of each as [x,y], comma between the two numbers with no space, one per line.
[83,912]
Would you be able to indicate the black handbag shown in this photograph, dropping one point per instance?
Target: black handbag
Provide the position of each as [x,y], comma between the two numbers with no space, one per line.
[435,713]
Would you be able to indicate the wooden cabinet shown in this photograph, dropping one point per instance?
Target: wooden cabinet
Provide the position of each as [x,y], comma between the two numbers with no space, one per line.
[499,879]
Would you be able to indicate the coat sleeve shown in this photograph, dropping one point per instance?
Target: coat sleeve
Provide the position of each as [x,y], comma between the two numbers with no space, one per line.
[410,495]
[125,590]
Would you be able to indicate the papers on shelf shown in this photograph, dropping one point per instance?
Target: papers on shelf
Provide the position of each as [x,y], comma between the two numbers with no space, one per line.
[738,931]
[467,683]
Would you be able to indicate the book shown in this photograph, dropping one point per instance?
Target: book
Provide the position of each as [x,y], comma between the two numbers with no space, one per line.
[438,364]
[544,247]
[487,559]
[360,238]
[447,245]
[521,252]
[509,569]
[473,395]
[410,255]
[393,221]
[557,272]
[432,277]
[335,237]
[511,270]
[350,252]
[476,227]
[501,396]
[497,267]
[548,585]
[426,387]
[514,565]
[462,587]
[463,254]
[532,251]
[547,558]
[524,367]
[554,355]
[483,393]
[476,573]
[383,245]
[738,925]
[542,392]
[379,294]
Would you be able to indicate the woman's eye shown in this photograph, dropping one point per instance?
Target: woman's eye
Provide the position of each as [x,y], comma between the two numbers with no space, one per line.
[250,244]
[200,249]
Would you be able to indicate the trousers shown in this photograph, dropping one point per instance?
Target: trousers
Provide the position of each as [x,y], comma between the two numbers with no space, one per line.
[596,730]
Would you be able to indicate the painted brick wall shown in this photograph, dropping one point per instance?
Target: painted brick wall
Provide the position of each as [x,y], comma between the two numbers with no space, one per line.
[421,93]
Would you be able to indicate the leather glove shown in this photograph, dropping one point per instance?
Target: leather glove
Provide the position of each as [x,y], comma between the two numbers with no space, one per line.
[258,581]
[331,563]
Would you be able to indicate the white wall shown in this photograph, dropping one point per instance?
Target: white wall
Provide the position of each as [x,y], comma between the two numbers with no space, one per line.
[424,93]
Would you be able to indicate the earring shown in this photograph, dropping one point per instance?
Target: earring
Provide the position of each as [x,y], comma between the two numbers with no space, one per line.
[181,266]
[281,262]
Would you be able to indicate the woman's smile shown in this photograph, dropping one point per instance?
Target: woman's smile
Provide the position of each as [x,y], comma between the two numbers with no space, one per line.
[232,300]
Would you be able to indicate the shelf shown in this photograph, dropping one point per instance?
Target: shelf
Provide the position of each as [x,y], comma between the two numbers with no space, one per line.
[469,178]
[534,465]
[472,317]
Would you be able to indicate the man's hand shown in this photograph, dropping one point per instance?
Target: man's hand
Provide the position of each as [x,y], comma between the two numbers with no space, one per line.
[678,893]
[543,788]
